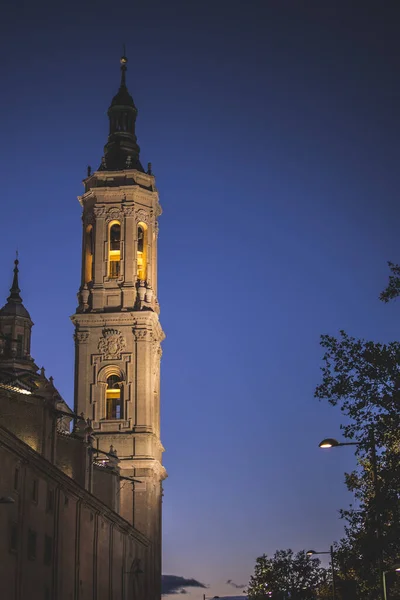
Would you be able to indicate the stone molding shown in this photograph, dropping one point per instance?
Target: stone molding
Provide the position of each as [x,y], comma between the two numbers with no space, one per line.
[136,319]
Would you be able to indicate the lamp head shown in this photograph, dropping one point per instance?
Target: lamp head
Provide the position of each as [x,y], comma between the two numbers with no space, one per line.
[7,500]
[310,552]
[328,443]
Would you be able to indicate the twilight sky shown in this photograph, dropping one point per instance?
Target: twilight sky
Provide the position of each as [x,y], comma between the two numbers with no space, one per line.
[273,130]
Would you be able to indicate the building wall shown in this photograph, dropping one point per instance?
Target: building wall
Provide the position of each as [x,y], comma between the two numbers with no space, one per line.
[29,419]
[71,458]
[60,542]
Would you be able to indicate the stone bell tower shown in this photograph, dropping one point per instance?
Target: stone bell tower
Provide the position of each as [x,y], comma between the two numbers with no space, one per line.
[117,328]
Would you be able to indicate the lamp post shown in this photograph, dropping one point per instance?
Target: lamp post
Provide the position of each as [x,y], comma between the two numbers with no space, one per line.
[312,552]
[332,443]
[393,568]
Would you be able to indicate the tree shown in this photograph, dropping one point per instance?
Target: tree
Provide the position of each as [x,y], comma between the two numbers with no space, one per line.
[287,576]
[392,290]
[363,379]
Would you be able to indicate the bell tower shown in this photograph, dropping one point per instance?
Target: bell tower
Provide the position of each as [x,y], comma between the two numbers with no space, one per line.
[117,328]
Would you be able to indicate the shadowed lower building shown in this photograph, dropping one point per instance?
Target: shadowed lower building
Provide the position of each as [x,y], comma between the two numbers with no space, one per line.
[84,519]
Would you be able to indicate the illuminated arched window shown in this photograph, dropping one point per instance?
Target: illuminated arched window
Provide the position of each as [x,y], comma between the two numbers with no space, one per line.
[114,250]
[141,251]
[89,254]
[114,398]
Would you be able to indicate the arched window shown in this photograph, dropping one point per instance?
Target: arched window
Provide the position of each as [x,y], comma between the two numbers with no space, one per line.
[89,254]
[114,251]
[114,398]
[141,257]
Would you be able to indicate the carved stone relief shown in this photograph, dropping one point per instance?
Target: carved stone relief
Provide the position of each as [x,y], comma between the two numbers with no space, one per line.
[99,211]
[142,215]
[81,336]
[111,344]
[129,211]
[141,334]
[114,214]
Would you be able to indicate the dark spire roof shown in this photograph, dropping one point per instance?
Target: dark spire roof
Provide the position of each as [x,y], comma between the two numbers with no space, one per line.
[122,150]
[14,306]
[14,289]
[123,97]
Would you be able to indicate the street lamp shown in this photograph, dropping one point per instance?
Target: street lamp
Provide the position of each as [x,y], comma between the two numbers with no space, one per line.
[312,552]
[332,443]
[393,568]
[7,500]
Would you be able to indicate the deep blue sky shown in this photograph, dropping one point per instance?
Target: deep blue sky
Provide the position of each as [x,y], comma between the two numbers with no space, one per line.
[273,130]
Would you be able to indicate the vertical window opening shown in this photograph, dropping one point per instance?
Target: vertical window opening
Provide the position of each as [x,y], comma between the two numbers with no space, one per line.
[7,344]
[114,399]
[141,251]
[13,545]
[89,254]
[114,252]
[31,546]
[35,485]
[48,550]
[50,500]
[16,479]
[20,345]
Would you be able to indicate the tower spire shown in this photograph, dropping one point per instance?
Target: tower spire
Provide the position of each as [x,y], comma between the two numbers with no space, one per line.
[14,289]
[122,150]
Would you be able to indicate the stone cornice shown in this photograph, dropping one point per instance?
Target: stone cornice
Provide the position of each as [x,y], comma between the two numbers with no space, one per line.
[143,462]
[138,176]
[119,195]
[146,320]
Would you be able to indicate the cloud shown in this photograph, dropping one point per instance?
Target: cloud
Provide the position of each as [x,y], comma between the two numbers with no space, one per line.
[174,584]
[235,585]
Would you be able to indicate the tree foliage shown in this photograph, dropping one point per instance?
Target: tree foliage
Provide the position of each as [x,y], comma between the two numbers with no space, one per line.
[288,576]
[363,379]
[392,290]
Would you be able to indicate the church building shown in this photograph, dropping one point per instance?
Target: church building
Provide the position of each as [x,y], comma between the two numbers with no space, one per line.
[81,489]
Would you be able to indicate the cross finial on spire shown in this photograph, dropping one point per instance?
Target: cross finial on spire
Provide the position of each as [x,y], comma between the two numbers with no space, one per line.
[123,62]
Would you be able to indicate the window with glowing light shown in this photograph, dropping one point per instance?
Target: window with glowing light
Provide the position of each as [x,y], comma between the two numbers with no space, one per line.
[89,254]
[114,250]
[141,257]
[114,398]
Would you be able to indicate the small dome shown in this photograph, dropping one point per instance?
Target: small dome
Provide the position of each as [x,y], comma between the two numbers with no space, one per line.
[14,309]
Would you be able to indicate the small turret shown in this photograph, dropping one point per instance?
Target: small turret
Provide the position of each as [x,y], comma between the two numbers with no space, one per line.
[15,327]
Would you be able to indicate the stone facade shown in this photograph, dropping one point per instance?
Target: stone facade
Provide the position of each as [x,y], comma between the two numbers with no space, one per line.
[84,519]
[117,328]
[58,540]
